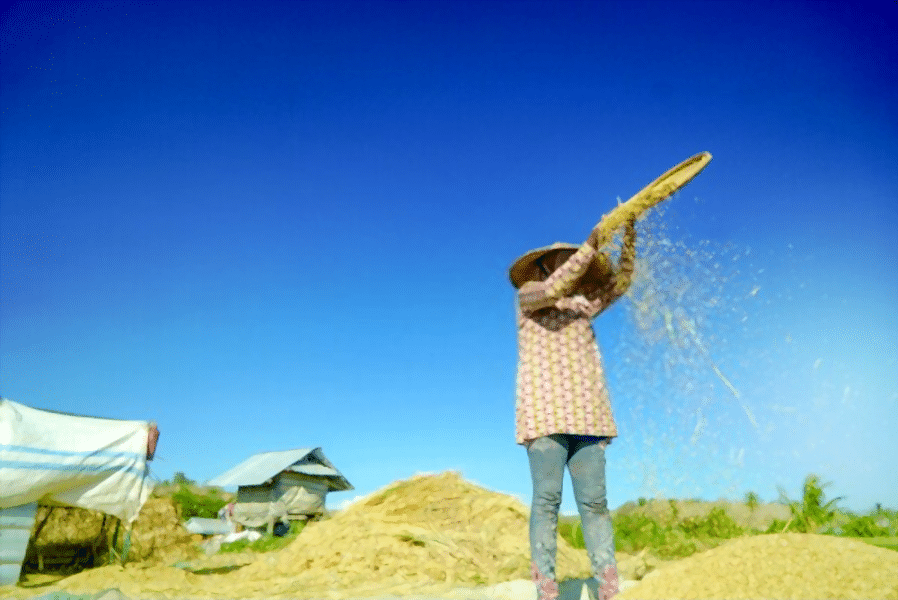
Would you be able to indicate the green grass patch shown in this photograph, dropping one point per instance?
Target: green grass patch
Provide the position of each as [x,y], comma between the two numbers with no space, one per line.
[267,543]
[675,538]
[572,532]
[889,543]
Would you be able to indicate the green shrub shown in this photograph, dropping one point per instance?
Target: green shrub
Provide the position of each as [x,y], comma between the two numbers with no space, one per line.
[677,545]
[634,532]
[809,515]
[181,479]
[192,504]
[572,532]
[716,524]
[776,526]
[864,527]
[674,511]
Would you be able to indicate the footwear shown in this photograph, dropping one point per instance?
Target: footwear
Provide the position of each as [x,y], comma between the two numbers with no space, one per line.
[546,588]
[611,585]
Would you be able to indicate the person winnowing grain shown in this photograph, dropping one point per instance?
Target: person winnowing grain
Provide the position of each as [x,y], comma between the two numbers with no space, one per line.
[563,413]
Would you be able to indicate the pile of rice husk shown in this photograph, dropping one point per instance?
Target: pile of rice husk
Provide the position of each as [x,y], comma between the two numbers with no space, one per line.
[428,534]
[783,566]
[158,535]
[432,534]
[428,529]
[68,539]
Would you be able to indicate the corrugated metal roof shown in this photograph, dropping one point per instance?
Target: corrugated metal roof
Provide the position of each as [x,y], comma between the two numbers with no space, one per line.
[259,468]
[313,469]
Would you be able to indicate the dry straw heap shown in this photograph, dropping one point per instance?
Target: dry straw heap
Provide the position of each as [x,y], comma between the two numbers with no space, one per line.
[427,530]
[70,539]
[428,534]
[158,534]
[787,566]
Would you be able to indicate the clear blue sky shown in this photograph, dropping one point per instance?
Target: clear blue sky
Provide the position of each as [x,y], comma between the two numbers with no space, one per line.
[279,225]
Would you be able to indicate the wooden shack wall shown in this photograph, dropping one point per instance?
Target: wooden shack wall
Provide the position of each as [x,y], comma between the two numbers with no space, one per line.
[255,494]
[301,494]
[289,494]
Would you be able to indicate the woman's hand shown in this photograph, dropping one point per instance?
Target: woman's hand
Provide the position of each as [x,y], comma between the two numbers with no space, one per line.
[629,231]
[593,239]
[630,235]
[580,303]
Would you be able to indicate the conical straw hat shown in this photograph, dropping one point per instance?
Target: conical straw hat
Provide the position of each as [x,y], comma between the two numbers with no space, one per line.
[525,268]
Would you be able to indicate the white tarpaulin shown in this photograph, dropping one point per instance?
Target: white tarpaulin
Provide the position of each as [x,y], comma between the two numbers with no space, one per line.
[98,464]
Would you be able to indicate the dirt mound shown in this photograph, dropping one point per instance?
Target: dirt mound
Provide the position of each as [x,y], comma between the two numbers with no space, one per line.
[784,566]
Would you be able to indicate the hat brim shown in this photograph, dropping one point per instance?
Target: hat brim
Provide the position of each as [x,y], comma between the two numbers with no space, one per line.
[526,269]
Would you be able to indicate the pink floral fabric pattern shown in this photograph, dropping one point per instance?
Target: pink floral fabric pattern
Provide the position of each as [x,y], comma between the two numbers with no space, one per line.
[546,588]
[611,585]
[561,381]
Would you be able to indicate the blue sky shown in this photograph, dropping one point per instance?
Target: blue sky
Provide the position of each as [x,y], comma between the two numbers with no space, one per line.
[280,225]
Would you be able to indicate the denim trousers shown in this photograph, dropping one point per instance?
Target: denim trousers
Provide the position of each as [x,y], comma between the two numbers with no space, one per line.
[585,459]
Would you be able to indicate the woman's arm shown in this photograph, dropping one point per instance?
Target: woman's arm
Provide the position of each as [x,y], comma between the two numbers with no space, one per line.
[535,295]
[617,285]
[623,276]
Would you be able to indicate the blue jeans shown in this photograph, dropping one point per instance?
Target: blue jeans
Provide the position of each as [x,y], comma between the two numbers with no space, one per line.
[585,458]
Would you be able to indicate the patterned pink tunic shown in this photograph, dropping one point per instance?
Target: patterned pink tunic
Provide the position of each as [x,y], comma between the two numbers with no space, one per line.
[561,382]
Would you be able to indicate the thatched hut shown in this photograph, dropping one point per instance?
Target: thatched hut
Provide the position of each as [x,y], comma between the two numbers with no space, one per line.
[281,486]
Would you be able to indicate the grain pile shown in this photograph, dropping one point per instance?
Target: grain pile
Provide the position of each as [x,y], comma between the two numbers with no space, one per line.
[783,566]
[70,539]
[158,535]
[428,534]
[429,529]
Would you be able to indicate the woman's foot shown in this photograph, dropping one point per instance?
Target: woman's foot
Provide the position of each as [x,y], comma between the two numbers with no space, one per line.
[611,585]
[546,588]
